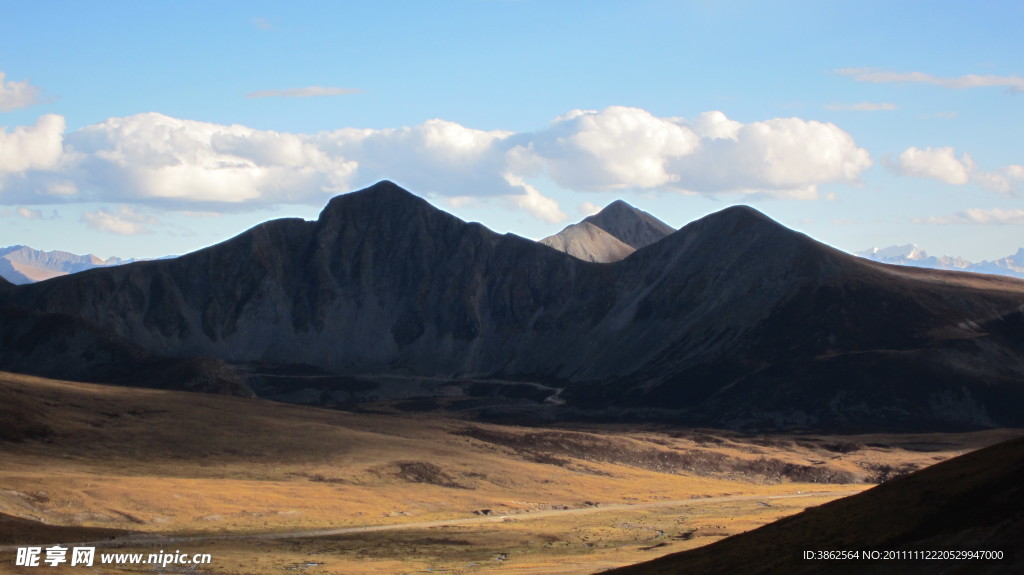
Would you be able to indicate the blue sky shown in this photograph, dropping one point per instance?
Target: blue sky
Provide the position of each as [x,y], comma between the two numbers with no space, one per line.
[151,128]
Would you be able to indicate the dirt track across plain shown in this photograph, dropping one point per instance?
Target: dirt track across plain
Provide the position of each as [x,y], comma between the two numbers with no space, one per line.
[146,540]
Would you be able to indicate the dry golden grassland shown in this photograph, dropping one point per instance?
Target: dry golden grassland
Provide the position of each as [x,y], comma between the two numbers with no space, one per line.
[523,500]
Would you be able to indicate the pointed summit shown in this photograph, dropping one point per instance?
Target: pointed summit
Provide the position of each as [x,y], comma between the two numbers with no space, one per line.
[610,235]
[633,227]
[384,194]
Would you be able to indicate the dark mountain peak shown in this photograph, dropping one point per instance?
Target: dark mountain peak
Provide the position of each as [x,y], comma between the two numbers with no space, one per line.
[386,189]
[619,207]
[742,220]
[741,211]
[385,199]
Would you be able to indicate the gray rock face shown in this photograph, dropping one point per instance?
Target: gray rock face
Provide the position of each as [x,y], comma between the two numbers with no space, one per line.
[732,320]
[610,235]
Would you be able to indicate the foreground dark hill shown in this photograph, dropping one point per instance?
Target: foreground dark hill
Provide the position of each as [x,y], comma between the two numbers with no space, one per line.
[971,502]
[610,235]
[733,320]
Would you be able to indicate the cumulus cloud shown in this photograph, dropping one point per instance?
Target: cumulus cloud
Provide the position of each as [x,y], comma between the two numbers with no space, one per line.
[943,165]
[715,125]
[937,163]
[995,216]
[784,157]
[37,147]
[14,95]
[1008,180]
[436,157]
[616,148]
[875,76]
[863,107]
[153,159]
[307,92]
[125,221]
[540,206]
[159,159]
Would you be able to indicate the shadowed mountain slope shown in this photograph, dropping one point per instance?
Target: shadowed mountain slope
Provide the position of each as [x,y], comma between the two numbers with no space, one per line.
[971,502]
[610,235]
[733,320]
[65,346]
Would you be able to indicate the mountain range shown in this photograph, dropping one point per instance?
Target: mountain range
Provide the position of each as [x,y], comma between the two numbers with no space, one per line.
[733,320]
[913,255]
[23,265]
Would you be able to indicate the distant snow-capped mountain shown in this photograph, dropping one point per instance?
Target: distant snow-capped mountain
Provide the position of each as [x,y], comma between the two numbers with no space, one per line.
[913,255]
[24,265]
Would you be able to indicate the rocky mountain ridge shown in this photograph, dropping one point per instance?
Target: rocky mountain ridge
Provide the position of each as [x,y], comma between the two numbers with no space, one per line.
[913,255]
[22,264]
[733,320]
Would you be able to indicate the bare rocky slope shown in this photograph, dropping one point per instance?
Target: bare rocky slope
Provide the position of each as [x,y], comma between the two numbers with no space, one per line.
[733,320]
[610,235]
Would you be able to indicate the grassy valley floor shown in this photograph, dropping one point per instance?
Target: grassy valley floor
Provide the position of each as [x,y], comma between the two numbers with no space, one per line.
[256,484]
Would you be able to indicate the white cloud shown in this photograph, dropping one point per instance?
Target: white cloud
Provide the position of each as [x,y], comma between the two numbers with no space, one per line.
[943,165]
[784,157]
[875,76]
[437,157]
[1007,180]
[616,148]
[37,147]
[153,159]
[937,163]
[28,213]
[587,209]
[14,95]
[863,107]
[995,216]
[126,221]
[716,126]
[531,200]
[307,92]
